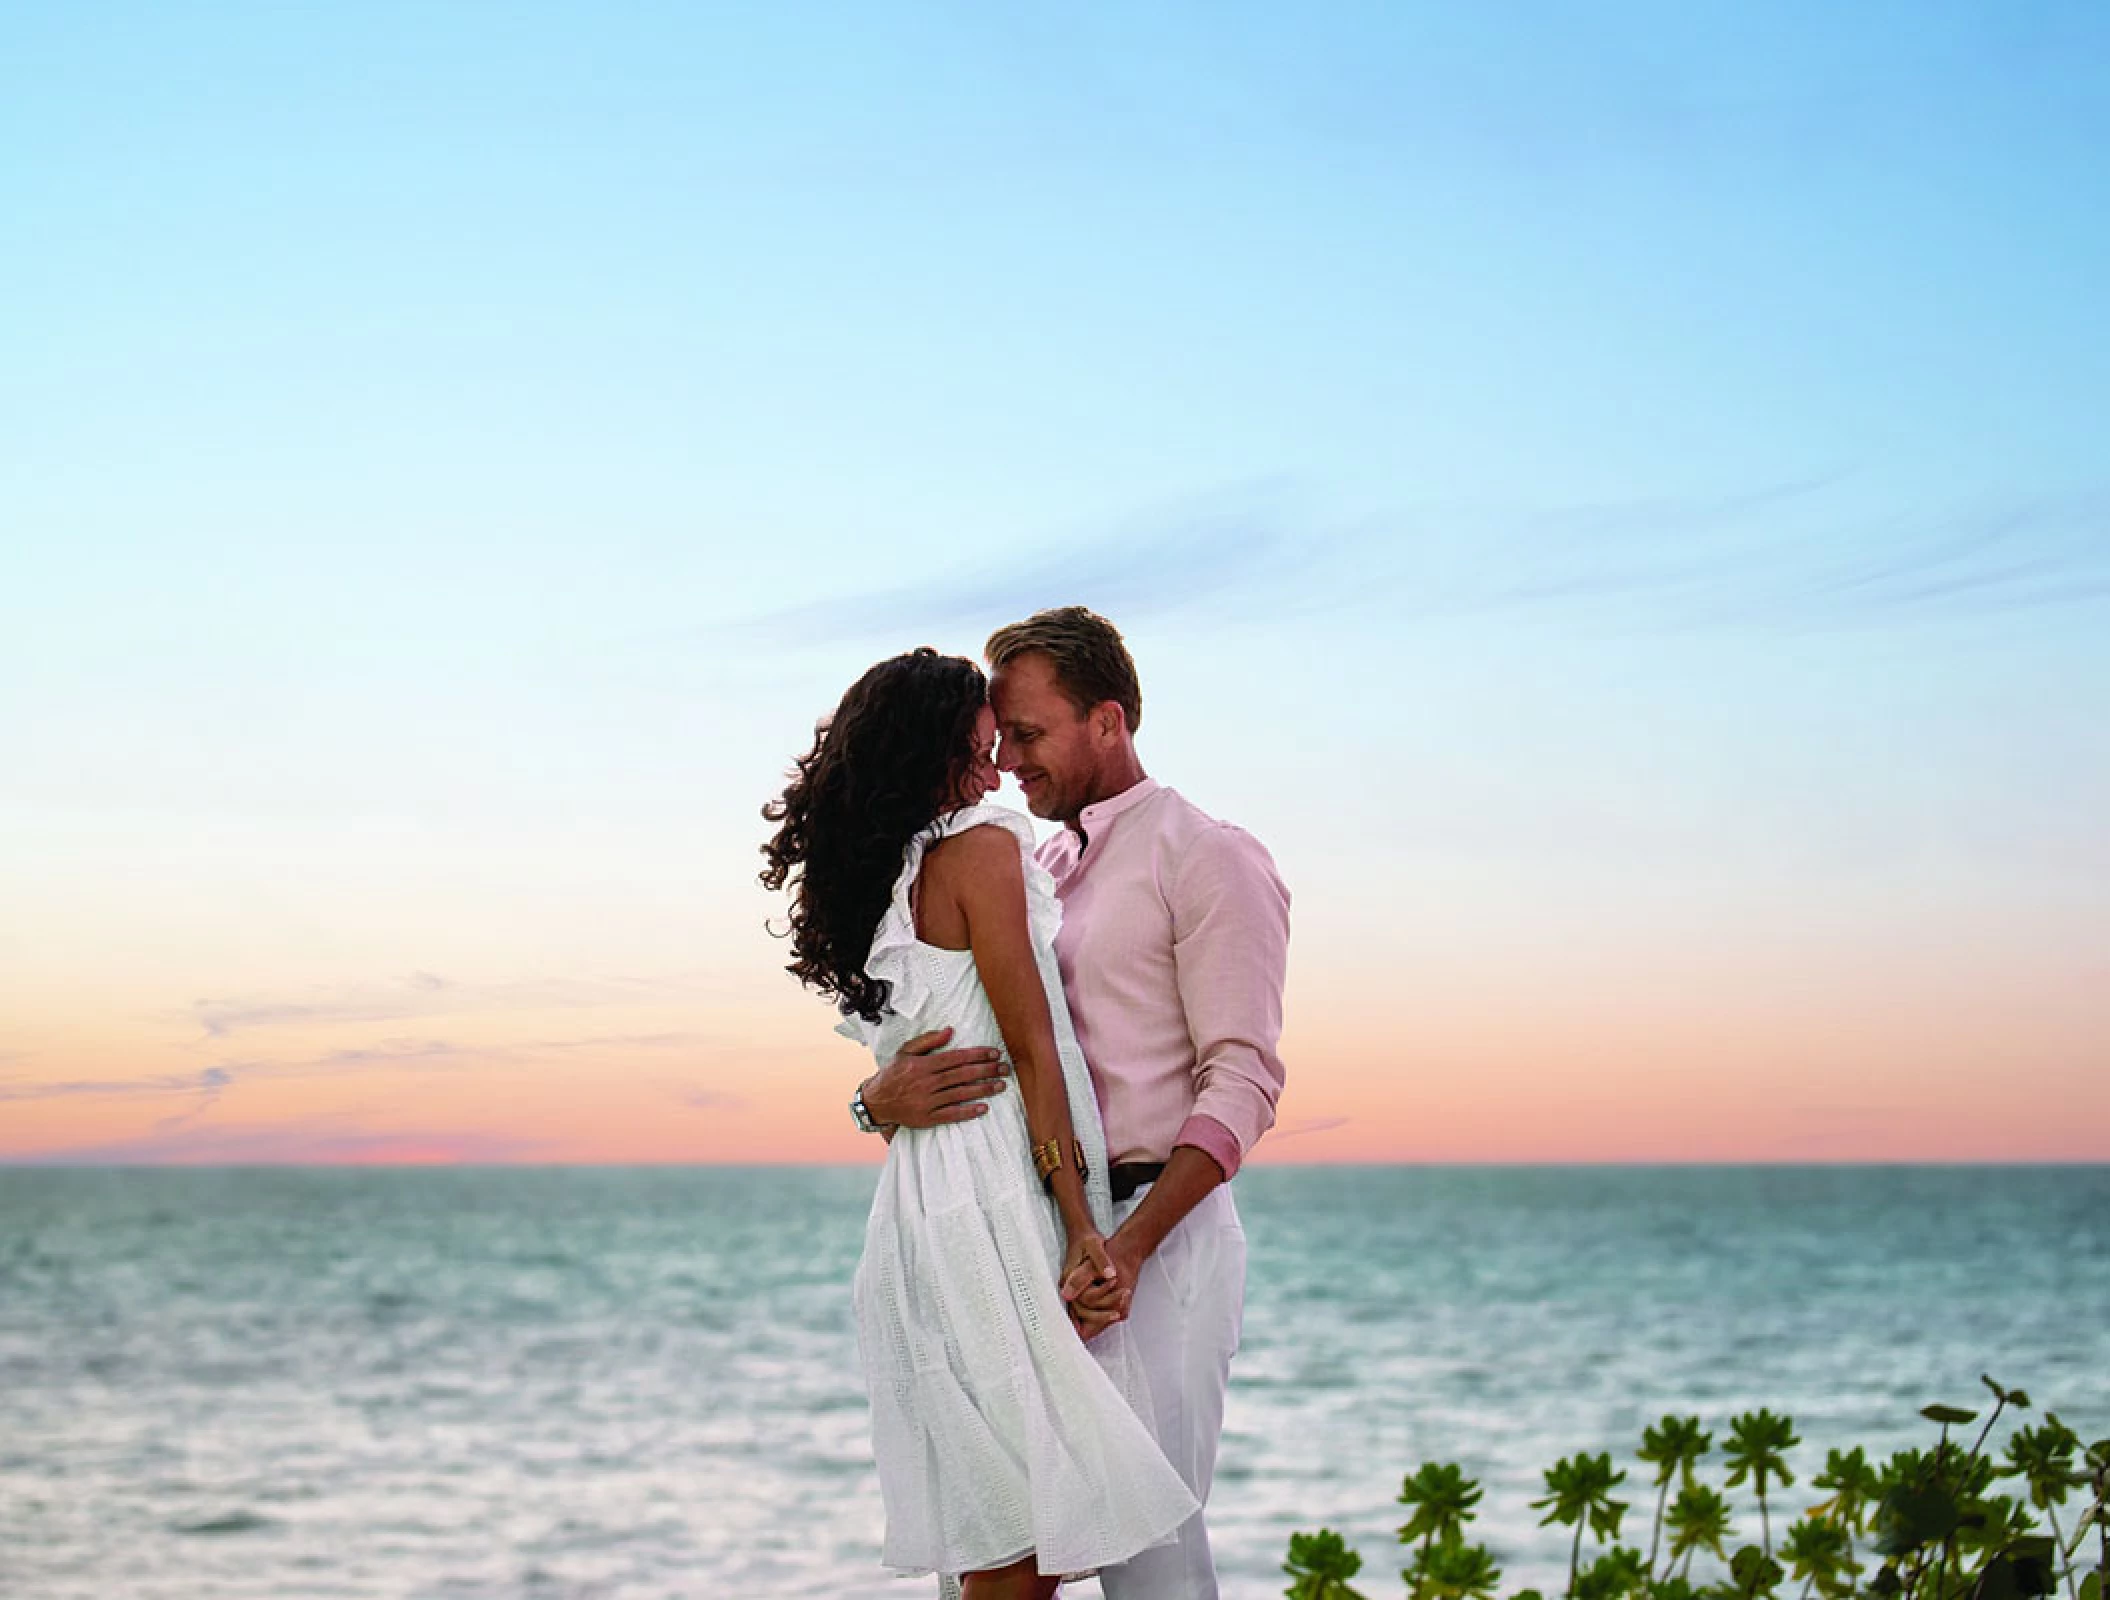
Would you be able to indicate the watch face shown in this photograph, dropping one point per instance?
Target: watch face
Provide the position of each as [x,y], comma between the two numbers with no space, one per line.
[863,1117]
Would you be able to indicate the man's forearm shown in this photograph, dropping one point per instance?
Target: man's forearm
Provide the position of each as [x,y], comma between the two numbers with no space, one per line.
[1187,1180]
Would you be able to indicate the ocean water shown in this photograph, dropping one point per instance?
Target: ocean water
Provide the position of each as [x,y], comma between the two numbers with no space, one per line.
[566,1382]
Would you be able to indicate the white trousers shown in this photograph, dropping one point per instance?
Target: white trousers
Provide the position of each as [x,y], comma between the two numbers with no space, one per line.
[1184,1322]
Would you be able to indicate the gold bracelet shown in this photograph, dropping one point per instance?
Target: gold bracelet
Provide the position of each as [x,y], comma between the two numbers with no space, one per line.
[1047,1157]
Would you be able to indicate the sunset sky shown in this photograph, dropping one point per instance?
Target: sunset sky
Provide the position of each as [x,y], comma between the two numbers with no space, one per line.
[1620,505]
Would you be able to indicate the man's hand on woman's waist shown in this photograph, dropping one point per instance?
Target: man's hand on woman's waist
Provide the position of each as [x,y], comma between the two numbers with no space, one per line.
[925,1085]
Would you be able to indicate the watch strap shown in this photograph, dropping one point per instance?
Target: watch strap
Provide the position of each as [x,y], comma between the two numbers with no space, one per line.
[858,1113]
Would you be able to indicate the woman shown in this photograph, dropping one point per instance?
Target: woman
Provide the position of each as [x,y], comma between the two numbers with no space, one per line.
[1010,1454]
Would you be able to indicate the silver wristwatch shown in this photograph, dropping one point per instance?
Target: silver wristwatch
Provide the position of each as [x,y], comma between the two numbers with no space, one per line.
[863,1118]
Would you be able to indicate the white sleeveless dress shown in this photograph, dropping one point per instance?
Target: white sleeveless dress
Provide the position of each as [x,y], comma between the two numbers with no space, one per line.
[997,1429]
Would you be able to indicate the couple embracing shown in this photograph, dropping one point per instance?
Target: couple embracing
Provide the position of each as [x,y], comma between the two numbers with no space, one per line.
[1054,1272]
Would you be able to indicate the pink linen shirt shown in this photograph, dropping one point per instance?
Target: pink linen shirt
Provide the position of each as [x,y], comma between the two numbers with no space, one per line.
[1173,950]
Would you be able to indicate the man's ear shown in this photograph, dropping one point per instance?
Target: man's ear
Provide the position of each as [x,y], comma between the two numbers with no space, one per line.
[1108,719]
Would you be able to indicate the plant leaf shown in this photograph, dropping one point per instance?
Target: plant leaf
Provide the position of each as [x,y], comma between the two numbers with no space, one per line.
[1998,1581]
[1912,1515]
[1755,1572]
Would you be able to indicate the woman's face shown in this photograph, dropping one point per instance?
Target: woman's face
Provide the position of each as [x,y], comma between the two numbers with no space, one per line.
[981,777]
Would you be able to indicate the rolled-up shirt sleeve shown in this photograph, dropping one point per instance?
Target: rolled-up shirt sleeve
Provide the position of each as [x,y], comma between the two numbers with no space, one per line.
[1230,913]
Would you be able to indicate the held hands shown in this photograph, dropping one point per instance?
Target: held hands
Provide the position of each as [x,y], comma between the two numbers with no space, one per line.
[1098,1281]
[924,1085]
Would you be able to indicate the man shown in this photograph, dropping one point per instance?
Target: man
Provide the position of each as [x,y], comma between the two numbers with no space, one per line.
[1175,936]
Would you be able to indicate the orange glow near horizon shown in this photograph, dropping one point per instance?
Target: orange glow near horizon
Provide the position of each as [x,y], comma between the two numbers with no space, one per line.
[1443,1052]
[1577,1084]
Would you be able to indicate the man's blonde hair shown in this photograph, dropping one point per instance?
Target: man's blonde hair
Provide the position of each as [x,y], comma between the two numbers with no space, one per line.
[1090,661]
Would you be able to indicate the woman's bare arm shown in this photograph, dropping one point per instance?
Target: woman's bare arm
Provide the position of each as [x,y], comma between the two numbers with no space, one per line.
[980,873]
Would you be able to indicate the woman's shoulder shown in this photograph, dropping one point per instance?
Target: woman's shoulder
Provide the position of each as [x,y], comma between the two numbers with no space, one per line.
[981,826]
[978,838]
[988,849]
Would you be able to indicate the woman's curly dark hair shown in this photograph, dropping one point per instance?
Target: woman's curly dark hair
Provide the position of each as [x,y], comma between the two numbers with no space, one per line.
[880,771]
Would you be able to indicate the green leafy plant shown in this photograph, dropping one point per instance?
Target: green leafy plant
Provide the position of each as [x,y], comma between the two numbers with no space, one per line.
[1673,1447]
[1619,1574]
[1321,1563]
[1936,1516]
[1820,1552]
[1756,1450]
[1579,1493]
[1753,1572]
[2044,1459]
[1698,1520]
[2097,1461]
[1451,1569]
[1442,1498]
[1855,1486]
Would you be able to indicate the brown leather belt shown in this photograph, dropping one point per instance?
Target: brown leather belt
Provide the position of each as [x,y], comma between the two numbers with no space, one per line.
[1126,1177]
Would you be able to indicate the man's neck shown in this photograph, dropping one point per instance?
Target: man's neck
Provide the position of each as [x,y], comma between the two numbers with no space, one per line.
[1113,784]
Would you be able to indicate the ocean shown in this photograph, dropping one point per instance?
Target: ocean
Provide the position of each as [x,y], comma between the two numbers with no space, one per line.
[562,1383]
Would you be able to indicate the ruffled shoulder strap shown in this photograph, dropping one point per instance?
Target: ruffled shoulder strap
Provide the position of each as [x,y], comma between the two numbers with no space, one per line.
[981,816]
[894,944]
[1044,910]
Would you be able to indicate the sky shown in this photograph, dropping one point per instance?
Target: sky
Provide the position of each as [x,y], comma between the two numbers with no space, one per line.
[1614,496]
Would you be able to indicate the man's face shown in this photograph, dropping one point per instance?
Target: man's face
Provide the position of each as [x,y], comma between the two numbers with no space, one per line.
[1044,740]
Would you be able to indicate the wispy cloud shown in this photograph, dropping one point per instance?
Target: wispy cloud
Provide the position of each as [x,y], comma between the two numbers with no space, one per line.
[1812,551]
[709,1099]
[621,1041]
[1794,555]
[2001,557]
[208,1084]
[211,1079]
[390,1053]
[1207,554]
[206,1087]
[212,1083]
[1307,1125]
[318,1142]
[422,994]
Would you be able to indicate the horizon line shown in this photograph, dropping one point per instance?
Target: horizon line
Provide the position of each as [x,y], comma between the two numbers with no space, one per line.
[765,1164]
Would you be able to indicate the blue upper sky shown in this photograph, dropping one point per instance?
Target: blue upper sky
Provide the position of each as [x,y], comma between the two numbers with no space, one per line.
[1655,440]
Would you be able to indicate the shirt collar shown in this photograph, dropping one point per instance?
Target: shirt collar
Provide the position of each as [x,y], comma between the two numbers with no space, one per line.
[1093,817]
